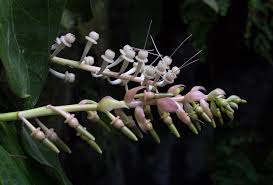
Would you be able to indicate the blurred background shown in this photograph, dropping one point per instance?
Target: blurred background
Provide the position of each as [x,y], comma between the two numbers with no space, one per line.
[236,39]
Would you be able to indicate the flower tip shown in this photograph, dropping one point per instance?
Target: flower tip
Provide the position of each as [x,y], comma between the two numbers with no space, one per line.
[243,101]
[192,128]
[176,89]
[213,123]
[50,145]
[126,131]
[198,88]
[154,135]
[173,130]
[130,94]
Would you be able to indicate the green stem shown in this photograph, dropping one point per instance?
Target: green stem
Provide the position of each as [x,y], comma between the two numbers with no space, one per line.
[94,69]
[44,111]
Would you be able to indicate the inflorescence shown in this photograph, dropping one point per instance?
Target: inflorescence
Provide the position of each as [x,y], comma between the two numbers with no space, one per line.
[194,108]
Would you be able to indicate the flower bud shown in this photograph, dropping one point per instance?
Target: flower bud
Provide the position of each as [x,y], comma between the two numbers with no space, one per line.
[236,99]
[107,104]
[215,93]
[223,103]
[216,112]
[233,105]
[91,143]
[169,122]
[198,109]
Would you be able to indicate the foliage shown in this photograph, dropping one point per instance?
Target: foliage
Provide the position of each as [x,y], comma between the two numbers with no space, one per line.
[27,29]
[259,30]
[26,64]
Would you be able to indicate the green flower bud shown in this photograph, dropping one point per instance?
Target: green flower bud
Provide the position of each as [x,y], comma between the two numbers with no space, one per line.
[216,112]
[154,135]
[198,109]
[236,99]
[197,125]
[107,104]
[233,105]
[192,128]
[82,131]
[126,131]
[91,143]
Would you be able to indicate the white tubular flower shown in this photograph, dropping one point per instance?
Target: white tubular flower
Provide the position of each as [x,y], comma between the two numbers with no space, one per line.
[65,41]
[91,39]
[67,77]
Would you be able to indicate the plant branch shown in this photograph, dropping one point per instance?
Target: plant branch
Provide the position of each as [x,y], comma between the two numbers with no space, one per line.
[95,69]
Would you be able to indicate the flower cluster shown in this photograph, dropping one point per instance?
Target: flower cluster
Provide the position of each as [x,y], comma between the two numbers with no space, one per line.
[193,108]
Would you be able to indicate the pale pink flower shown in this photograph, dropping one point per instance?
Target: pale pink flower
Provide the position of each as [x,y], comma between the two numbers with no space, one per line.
[193,96]
[130,94]
[166,105]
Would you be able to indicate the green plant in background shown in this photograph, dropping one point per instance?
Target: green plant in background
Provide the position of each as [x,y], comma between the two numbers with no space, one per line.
[201,17]
[24,54]
[259,34]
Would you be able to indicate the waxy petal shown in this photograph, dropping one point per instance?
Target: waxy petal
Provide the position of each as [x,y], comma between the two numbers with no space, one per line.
[198,88]
[183,116]
[194,96]
[129,96]
[175,89]
[205,106]
[166,105]
[140,118]
[215,93]
[108,103]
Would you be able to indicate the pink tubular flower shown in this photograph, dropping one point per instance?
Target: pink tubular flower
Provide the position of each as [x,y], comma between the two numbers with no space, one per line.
[205,106]
[176,89]
[195,95]
[198,88]
[182,115]
[140,118]
[130,94]
[215,93]
[166,105]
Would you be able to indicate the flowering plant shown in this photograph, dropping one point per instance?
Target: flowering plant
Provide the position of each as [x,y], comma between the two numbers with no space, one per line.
[193,108]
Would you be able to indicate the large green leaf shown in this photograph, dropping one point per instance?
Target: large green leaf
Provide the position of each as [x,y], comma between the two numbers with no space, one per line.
[9,171]
[31,169]
[27,29]
[44,156]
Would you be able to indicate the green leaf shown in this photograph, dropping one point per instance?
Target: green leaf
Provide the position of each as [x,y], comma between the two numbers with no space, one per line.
[9,171]
[27,29]
[32,169]
[212,4]
[44,156]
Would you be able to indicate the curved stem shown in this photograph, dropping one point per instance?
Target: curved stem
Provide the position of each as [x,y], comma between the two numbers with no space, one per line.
[56,73]
[94,69]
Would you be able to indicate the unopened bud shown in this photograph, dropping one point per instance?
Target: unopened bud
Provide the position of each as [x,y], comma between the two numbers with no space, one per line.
[236,99]
[107,104]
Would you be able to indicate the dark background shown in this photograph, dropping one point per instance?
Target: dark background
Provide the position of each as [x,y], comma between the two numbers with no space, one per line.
[236,39]
[235,58]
